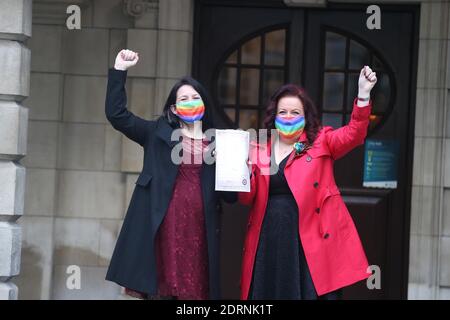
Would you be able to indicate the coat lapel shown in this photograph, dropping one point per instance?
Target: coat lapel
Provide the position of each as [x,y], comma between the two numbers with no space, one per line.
[164,132]
[292,156]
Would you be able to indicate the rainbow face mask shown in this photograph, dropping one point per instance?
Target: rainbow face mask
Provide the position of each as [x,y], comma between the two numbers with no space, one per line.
[190,111]
[290,127]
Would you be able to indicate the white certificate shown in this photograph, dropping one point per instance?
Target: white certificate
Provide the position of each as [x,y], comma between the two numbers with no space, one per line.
[231,160]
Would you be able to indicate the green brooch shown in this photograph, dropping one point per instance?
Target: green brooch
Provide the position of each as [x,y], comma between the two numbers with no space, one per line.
[300,147]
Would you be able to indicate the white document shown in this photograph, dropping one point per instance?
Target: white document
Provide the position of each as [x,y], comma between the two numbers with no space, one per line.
[231,160]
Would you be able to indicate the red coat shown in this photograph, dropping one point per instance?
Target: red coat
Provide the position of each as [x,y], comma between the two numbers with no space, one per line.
[331,243]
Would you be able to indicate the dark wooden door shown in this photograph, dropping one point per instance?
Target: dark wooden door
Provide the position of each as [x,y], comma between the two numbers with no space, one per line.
[244,50]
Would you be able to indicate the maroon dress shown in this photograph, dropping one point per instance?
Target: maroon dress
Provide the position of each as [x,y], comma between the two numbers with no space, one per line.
[180,244]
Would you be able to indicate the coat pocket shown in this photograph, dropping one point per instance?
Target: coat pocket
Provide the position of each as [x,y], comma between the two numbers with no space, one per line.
[327,208]
[143,179]
[329,192]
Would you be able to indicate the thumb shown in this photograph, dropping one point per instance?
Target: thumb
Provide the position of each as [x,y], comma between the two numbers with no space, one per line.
[363,71]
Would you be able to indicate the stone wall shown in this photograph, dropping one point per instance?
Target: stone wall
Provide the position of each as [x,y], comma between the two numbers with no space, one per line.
[429,268]
[15,28]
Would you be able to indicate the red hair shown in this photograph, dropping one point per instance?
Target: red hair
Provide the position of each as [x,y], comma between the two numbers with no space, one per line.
[312,121]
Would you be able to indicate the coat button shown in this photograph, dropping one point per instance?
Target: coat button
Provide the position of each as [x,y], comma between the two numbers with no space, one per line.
[243,249]
[308,158]
[326,236]
[217,230]
[316,184]
[317,210]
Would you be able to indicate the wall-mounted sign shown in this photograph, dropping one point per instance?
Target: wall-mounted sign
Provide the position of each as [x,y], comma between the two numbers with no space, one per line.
[380,163]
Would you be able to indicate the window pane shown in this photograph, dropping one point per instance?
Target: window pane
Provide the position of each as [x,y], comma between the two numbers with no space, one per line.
[352,89]
[232,58]
[332,119]
[359,56]
[251,51]
[273,79]
[227,86]
[335,51]
[377,65]
[333,91]
[262,117]
[275,48]
[381,93]
[249,90]
[248,119]
[231,113]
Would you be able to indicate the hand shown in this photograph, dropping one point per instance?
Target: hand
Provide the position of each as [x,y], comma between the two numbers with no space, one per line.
[367,80]
[126,59]
[249,165]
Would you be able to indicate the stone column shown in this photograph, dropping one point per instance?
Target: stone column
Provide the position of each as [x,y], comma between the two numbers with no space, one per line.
[15,28]
[428,267]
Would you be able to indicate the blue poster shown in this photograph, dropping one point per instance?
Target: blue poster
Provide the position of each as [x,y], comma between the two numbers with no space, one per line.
[380,163]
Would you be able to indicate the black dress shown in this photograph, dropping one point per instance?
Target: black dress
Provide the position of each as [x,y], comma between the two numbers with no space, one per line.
[280,270]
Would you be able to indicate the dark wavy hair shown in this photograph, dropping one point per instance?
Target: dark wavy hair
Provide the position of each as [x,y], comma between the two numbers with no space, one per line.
[312,121]
[172,118]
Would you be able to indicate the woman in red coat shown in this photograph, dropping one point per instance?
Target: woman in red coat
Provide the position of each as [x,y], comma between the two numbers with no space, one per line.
[301,241]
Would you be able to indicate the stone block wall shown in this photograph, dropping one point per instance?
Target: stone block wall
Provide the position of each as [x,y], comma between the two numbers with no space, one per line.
[15,29]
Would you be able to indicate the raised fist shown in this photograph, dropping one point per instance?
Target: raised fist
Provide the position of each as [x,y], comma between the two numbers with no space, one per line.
[367,80]
[126,59]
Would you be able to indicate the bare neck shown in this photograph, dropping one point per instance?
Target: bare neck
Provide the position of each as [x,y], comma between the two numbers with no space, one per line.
[192,130]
